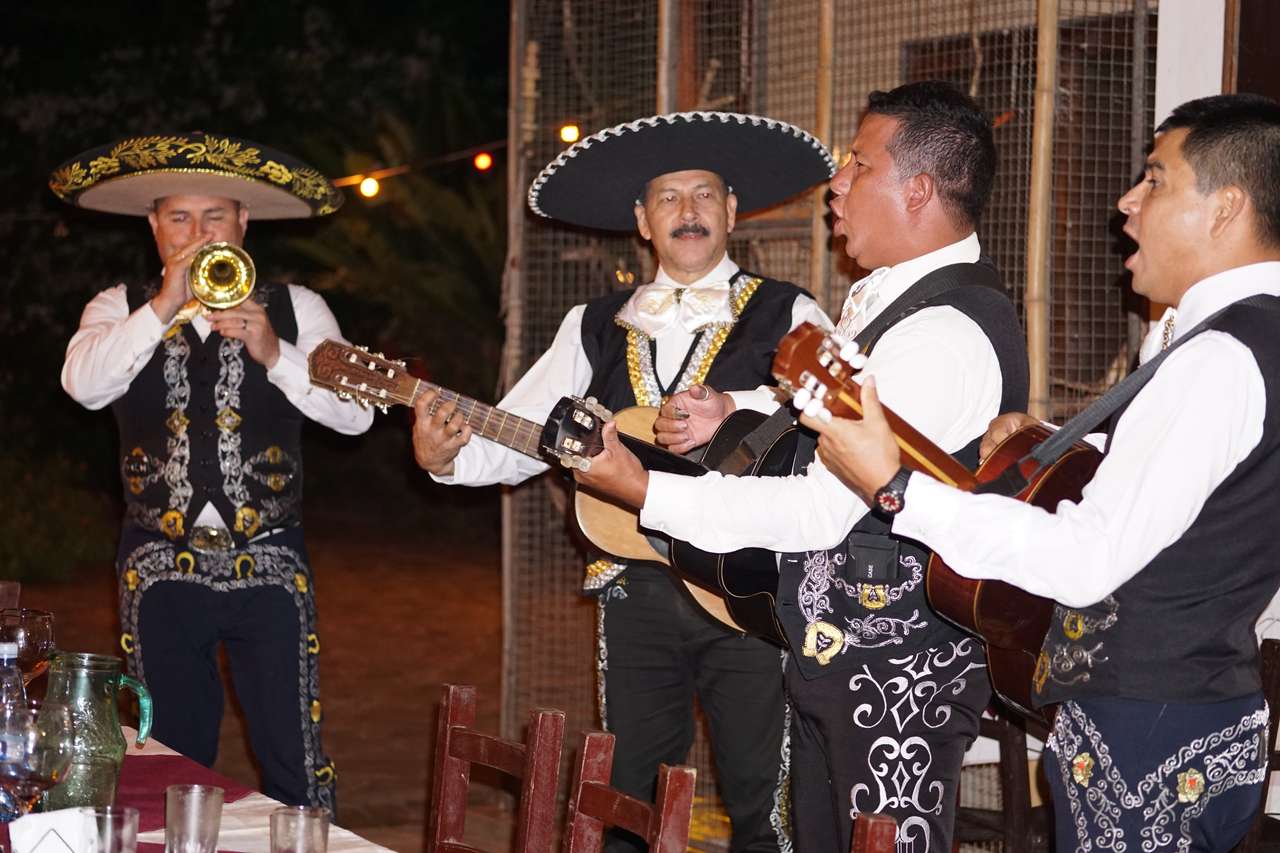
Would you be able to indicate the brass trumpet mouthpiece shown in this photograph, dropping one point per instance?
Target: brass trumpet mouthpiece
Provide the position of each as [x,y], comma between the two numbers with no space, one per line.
[221,276]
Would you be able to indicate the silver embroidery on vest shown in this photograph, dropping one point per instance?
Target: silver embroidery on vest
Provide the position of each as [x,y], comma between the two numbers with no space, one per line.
[1071,661]
[226,396]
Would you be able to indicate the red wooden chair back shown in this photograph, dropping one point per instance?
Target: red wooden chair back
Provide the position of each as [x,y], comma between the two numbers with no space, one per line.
[594,805]
[874,833]
[536,763]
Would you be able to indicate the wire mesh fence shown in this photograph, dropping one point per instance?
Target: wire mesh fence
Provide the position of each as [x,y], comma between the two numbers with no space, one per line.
[596,63]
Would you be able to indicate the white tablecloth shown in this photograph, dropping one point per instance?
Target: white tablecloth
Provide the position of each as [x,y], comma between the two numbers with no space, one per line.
[246,823]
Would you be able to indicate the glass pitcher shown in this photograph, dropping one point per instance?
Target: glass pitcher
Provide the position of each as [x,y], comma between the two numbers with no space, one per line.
[88,684]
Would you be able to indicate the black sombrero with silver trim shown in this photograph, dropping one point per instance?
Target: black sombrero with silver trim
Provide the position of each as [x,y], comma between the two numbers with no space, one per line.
[128,176]
[597,180]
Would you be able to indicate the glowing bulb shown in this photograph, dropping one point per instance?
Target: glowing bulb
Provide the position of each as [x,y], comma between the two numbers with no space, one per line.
[569,133]
[483,161]
[369,187]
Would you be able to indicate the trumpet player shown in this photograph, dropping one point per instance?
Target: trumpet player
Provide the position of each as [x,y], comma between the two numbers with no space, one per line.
[209,407]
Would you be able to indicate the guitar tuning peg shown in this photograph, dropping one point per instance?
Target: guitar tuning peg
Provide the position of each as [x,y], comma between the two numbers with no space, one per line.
[814,407]
[566,462]
[343,395]
[379,355]
[362,402]
[802,398]
[383,407]
[400,364]
[362,348]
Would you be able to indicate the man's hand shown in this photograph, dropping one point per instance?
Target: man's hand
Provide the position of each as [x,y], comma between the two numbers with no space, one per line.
[248,322]
[439,432]
[862,453]
[1001,428]
[689,419]
[615,471]
[174,292]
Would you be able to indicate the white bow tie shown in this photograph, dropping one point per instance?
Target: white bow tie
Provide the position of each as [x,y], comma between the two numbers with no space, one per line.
[658,306]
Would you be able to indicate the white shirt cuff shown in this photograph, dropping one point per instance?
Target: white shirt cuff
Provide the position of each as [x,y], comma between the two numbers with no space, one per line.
[757,399]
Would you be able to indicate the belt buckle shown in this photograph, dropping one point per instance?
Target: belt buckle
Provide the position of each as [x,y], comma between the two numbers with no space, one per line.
[210,540]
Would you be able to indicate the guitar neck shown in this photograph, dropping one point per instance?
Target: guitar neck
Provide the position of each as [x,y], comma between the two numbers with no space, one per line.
[914,450]
[489,422]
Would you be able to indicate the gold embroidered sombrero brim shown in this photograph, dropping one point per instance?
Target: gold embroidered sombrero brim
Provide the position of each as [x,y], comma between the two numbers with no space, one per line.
[128,176]
[597,181]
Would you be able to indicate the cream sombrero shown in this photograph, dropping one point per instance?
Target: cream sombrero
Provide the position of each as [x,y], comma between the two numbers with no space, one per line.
[128,176]
[596,181]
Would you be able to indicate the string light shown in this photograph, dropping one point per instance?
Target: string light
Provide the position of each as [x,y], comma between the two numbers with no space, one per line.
[369,187]
[483,161]
[570,133]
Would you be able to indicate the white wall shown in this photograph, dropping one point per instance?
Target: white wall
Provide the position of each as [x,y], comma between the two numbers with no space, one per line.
[1188,52]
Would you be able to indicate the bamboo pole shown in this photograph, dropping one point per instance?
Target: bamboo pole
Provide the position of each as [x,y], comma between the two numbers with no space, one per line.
[1039,219]
[668,21]
[819,252]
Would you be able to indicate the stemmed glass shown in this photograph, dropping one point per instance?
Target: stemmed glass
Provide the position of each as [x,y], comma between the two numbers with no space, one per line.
[35,749]
[32,630]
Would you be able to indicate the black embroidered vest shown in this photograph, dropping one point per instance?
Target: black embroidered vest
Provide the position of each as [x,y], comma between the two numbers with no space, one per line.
[833,619]
[201,423]
[1182,629]
[741,357]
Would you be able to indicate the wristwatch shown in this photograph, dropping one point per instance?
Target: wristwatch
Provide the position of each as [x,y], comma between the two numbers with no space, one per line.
[891,497]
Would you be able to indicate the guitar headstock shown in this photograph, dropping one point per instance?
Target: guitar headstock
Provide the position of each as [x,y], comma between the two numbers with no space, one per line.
[572,431]
[354,373]
[814,366]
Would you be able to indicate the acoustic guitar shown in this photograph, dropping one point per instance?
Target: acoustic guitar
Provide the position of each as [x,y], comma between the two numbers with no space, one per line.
[571,434]
[1011,623]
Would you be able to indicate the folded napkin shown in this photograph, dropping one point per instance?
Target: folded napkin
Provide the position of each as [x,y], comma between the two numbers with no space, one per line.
[61,831]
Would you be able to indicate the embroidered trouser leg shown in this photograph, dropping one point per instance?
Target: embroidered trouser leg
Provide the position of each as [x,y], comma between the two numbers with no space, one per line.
[887,737]
[176,606]
[658,653]
[1133,775]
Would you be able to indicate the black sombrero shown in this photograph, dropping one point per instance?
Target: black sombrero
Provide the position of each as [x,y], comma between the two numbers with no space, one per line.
[596,181]
[128,176]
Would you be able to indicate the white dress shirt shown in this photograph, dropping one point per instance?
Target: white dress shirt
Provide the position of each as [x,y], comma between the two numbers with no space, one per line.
[112,346]
[936,369]
[564,369]
[1180,437]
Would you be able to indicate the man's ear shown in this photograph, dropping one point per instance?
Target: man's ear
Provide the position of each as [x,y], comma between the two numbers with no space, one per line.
[1229,205]
[244,220]
[917,191]
[154,220]
[731,212]
[642,223]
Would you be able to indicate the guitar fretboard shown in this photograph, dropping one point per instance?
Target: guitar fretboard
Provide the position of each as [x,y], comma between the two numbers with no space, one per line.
[494,424]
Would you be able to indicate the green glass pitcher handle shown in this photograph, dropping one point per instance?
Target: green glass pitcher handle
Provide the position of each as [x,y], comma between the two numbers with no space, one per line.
[144,706]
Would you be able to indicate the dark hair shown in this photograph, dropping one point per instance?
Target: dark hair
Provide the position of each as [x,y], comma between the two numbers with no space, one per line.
[943,133]
[1234,140]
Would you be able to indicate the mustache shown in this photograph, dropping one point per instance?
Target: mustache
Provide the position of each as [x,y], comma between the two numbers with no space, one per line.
[691,228]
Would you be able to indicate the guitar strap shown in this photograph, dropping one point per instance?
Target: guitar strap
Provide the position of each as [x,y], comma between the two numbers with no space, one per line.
[1047,452]
[912,300]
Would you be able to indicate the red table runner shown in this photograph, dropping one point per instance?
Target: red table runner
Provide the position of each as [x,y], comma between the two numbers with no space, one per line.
[143,779]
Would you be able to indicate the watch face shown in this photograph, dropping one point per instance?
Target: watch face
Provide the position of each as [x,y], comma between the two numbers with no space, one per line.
[889,501]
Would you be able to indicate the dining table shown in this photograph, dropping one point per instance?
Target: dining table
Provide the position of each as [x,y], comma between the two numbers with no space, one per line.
[246,813]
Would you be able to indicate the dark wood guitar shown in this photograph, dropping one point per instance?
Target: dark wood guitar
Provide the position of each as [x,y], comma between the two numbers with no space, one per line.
[1012,623]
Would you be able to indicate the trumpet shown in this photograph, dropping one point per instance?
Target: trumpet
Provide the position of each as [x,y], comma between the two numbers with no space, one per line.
[221,276]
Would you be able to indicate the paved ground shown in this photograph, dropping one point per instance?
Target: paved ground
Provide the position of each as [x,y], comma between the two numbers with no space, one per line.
[397,619]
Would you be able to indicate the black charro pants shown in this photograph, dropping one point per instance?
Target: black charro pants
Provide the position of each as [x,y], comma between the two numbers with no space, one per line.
[178,606]
[658,652]
[886,737]
[1136,775]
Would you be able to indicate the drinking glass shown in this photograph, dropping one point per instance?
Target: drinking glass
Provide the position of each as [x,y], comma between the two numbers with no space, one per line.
[35,748]
[299,829]
[32,630]
[192,815]
[114,829]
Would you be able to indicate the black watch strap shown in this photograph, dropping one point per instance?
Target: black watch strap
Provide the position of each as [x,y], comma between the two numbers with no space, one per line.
[891,497]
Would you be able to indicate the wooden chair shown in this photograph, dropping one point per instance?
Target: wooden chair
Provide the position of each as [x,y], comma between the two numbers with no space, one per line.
[874,833]
[1265,832]
[594,805]
[1015,825]
[536,763]
[10,592]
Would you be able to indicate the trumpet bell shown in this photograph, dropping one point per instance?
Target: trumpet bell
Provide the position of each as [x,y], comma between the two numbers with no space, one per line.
[221,276]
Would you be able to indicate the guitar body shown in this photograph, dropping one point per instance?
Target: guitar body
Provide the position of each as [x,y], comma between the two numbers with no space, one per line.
[747,580]
[615,529]
[1011,622]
